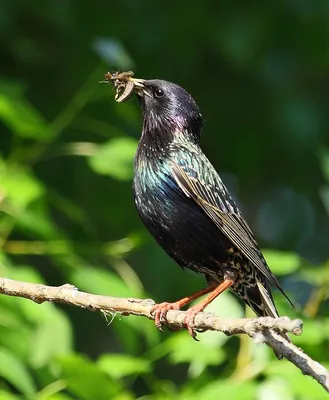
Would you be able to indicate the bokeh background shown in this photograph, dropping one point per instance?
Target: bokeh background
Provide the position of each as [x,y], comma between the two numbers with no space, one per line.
[260,74]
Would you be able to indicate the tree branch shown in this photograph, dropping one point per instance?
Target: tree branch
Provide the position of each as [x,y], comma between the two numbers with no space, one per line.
[264,329]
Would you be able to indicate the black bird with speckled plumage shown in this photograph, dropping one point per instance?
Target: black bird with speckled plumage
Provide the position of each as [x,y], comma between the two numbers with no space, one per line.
[186,207]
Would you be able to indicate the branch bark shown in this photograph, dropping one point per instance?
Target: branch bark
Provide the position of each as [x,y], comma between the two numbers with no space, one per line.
[264,329]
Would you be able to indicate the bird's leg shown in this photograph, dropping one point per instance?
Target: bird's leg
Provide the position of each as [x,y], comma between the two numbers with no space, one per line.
[160,310]
[193,311]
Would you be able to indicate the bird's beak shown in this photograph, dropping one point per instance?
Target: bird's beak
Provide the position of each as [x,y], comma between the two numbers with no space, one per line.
[139,87]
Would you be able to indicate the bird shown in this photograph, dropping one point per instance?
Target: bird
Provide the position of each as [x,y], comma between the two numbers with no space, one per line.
[185,205]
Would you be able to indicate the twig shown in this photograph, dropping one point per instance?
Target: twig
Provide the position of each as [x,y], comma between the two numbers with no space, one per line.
[267,329]
[295,355]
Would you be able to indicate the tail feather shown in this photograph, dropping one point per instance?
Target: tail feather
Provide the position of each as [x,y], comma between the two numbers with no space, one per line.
[267,301]
[264,306]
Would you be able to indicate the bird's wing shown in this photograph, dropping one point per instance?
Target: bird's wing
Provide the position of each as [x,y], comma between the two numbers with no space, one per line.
[212,196]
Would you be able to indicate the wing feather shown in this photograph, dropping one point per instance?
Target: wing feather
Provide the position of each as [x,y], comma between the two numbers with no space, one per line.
[217,204]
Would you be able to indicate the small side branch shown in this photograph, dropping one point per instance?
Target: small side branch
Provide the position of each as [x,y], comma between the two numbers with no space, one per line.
[267,328]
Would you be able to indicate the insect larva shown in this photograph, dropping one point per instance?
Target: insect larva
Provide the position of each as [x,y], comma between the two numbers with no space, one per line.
[126,94]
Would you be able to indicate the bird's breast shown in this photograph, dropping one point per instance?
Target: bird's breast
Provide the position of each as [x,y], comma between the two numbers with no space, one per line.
[184,231]
[156,194]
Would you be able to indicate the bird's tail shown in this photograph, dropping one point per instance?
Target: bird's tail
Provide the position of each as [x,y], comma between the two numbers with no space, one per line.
[263,305]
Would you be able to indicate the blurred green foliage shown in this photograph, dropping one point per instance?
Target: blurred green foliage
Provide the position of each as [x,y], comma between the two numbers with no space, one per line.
[260,74]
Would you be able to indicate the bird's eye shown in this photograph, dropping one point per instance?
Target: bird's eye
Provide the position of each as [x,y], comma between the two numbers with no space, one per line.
[158,93]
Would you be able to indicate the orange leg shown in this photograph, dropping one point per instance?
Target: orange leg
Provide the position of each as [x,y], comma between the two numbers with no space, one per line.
[193,311]
[160,310]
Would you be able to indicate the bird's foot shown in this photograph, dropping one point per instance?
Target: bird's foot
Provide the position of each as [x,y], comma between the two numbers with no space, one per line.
[160,310]
[190,318]
[160,313]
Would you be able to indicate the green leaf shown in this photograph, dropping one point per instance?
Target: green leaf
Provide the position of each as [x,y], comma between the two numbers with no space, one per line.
[17,341]
[7,396]
[100,281]
[228,390]
[275,389]
[184,350]
[226,306]
[36,219]
[323,155]
[209,350]
[19,185]
[20,115]
[8,318]
[32,312]
[25,273]
[53,337]
[314,332]
[121,365]
[282,262]
[14,371]
[302,387]
[85,380]
[115,158]
[54,391]
[317,275]
[57,396]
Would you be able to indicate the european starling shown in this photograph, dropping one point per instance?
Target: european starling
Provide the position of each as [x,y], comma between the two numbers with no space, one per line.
[185,205]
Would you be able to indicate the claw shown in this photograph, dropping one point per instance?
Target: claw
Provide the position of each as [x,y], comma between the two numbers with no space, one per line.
[160,313]
[189,320]
[160,316]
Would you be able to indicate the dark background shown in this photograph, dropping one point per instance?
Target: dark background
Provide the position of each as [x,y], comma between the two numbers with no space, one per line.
[260,75]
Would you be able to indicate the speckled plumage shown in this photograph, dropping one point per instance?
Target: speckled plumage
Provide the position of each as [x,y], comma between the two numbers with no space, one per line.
[185,205]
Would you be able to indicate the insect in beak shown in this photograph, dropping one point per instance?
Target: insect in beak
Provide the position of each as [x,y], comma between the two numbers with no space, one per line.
[125,85]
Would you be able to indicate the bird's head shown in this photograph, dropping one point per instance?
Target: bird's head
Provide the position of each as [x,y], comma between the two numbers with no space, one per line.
[168,109]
